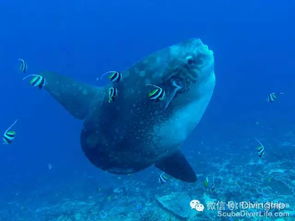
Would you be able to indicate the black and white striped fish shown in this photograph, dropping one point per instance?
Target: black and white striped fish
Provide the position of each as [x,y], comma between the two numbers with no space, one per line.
[157,94]
[37,80]
[260,149]
[114,76]
[113,93]
[163,178]
[23,67]
[9,135]
[273,96]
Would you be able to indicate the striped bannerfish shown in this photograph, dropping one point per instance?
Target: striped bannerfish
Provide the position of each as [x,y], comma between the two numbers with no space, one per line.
[9,135]
[260,149]
[210,185]
[163,178]
[114,76]
[37,80]
[113,93]
[206,182]
[23,67]
[157,94]
[272,97]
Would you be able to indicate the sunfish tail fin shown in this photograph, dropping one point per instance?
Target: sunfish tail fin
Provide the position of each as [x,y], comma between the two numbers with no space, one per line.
[77,98]
[177,166]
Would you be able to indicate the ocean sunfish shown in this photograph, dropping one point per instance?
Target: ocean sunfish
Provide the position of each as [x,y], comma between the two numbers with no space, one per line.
[143,118]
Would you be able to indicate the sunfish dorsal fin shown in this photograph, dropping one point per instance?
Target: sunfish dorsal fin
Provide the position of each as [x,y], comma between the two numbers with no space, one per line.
[177,166]
[77,98]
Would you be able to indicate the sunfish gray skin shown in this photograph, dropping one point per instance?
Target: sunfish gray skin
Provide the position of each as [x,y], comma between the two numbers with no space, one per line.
[133,132]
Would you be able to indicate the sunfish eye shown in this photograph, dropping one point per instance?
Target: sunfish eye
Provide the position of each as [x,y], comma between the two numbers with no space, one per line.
[189,60]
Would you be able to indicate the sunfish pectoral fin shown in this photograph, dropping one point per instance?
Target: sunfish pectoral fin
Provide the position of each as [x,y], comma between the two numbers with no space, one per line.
[177,166]
[170,98]
[75,97]
[176,88]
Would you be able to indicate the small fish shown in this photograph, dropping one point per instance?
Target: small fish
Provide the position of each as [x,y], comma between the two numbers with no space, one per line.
[272,97]
[37,80]
[260,149]
[212,187]
[163,178]
[9,135]
[23,67]
[157,94]
[113,93]
[206,182]
[209,185]
[114,76]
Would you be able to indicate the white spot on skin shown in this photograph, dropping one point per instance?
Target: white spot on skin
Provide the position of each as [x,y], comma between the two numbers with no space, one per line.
[85,92]
[158,60]
[174,50]
[142,73]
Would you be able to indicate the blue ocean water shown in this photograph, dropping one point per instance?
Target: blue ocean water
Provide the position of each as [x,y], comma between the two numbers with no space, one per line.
[44,173]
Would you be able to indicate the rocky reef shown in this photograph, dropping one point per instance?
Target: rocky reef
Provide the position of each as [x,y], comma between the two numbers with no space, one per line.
[226,178]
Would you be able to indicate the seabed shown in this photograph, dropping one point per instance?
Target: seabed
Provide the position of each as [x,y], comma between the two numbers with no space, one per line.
[95,196]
